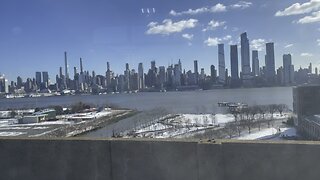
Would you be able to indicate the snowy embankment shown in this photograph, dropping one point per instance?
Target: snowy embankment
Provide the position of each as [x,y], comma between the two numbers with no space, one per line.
[270,134]
[184,125]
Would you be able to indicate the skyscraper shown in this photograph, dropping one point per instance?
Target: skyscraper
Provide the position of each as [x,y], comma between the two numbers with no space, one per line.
[245,59]
[45,79]
[38,79]
[287,67]
[234,64]
[66,66]
[270,63]
[213,73]
[255,63]
[81,67]
[196,72]
[108,76]
[222,68]
[141,76]
[162,76]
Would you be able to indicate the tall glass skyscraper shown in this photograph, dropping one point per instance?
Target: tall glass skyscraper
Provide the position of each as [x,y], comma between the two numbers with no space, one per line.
[255,63]
[245,59]
[270,63]
[222,67]
[234,64]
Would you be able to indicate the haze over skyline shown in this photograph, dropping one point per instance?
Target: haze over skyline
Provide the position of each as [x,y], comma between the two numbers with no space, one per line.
[35,34]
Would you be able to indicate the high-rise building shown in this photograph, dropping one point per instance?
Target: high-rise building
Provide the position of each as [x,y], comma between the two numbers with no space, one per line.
[141,76]
[221,60]
[108,76]
[162,76]
[234,65]
[255,63]
[177,75]
[127,78]
[310,68]
[316,70]
[180,65]
[45,79]
[81,67]
[38,79]
[153,65]
[66,66]
[245,59]
[287,74]
[19,82]
[213,73]
[196,71]
[270,63]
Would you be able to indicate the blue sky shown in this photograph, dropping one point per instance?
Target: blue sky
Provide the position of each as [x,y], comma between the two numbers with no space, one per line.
[35,33]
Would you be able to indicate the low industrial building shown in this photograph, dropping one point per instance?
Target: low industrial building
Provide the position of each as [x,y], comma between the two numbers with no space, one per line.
[40,116]
[33,119]
[51,114]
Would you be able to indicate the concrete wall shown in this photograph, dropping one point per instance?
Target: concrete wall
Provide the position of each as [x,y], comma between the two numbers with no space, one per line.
[78,159]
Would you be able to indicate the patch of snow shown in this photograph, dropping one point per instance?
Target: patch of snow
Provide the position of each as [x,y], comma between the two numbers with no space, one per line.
[40,127]
[6,134]
[263,134]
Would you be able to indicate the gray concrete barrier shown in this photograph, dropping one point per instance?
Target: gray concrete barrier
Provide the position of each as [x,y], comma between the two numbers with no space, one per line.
[114,159]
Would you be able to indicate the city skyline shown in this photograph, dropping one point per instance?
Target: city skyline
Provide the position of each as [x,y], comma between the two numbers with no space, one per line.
[142,32]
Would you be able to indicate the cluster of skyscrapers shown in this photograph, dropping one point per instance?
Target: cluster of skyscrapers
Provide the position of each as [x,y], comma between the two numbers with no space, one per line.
[173,77]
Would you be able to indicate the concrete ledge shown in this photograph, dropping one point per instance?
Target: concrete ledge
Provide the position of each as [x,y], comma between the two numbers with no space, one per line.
[138,159]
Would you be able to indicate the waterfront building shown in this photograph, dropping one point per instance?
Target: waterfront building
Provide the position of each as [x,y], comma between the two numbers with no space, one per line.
[306,110]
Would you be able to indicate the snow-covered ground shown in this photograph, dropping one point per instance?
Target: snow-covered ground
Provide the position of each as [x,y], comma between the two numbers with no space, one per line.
[270,134]
[185,125]
[4,133]
[10,127]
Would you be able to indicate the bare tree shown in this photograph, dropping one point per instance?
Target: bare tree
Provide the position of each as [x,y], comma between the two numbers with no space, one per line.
[205,120]
[231,129]
[213,119]
[271,109]
[281,108]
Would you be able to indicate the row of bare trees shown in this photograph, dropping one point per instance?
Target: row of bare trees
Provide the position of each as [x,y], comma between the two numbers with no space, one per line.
[253,116]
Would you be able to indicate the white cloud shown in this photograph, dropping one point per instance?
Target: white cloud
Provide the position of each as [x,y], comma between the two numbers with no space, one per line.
[227,37]
[216,8]
[306,54]
[212,41]
[215,40]
[258,44]
[318,41]
[241,5]
[288,45]
[298,8]
[212,25]
[187,36]
[315,17]
[167,27]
